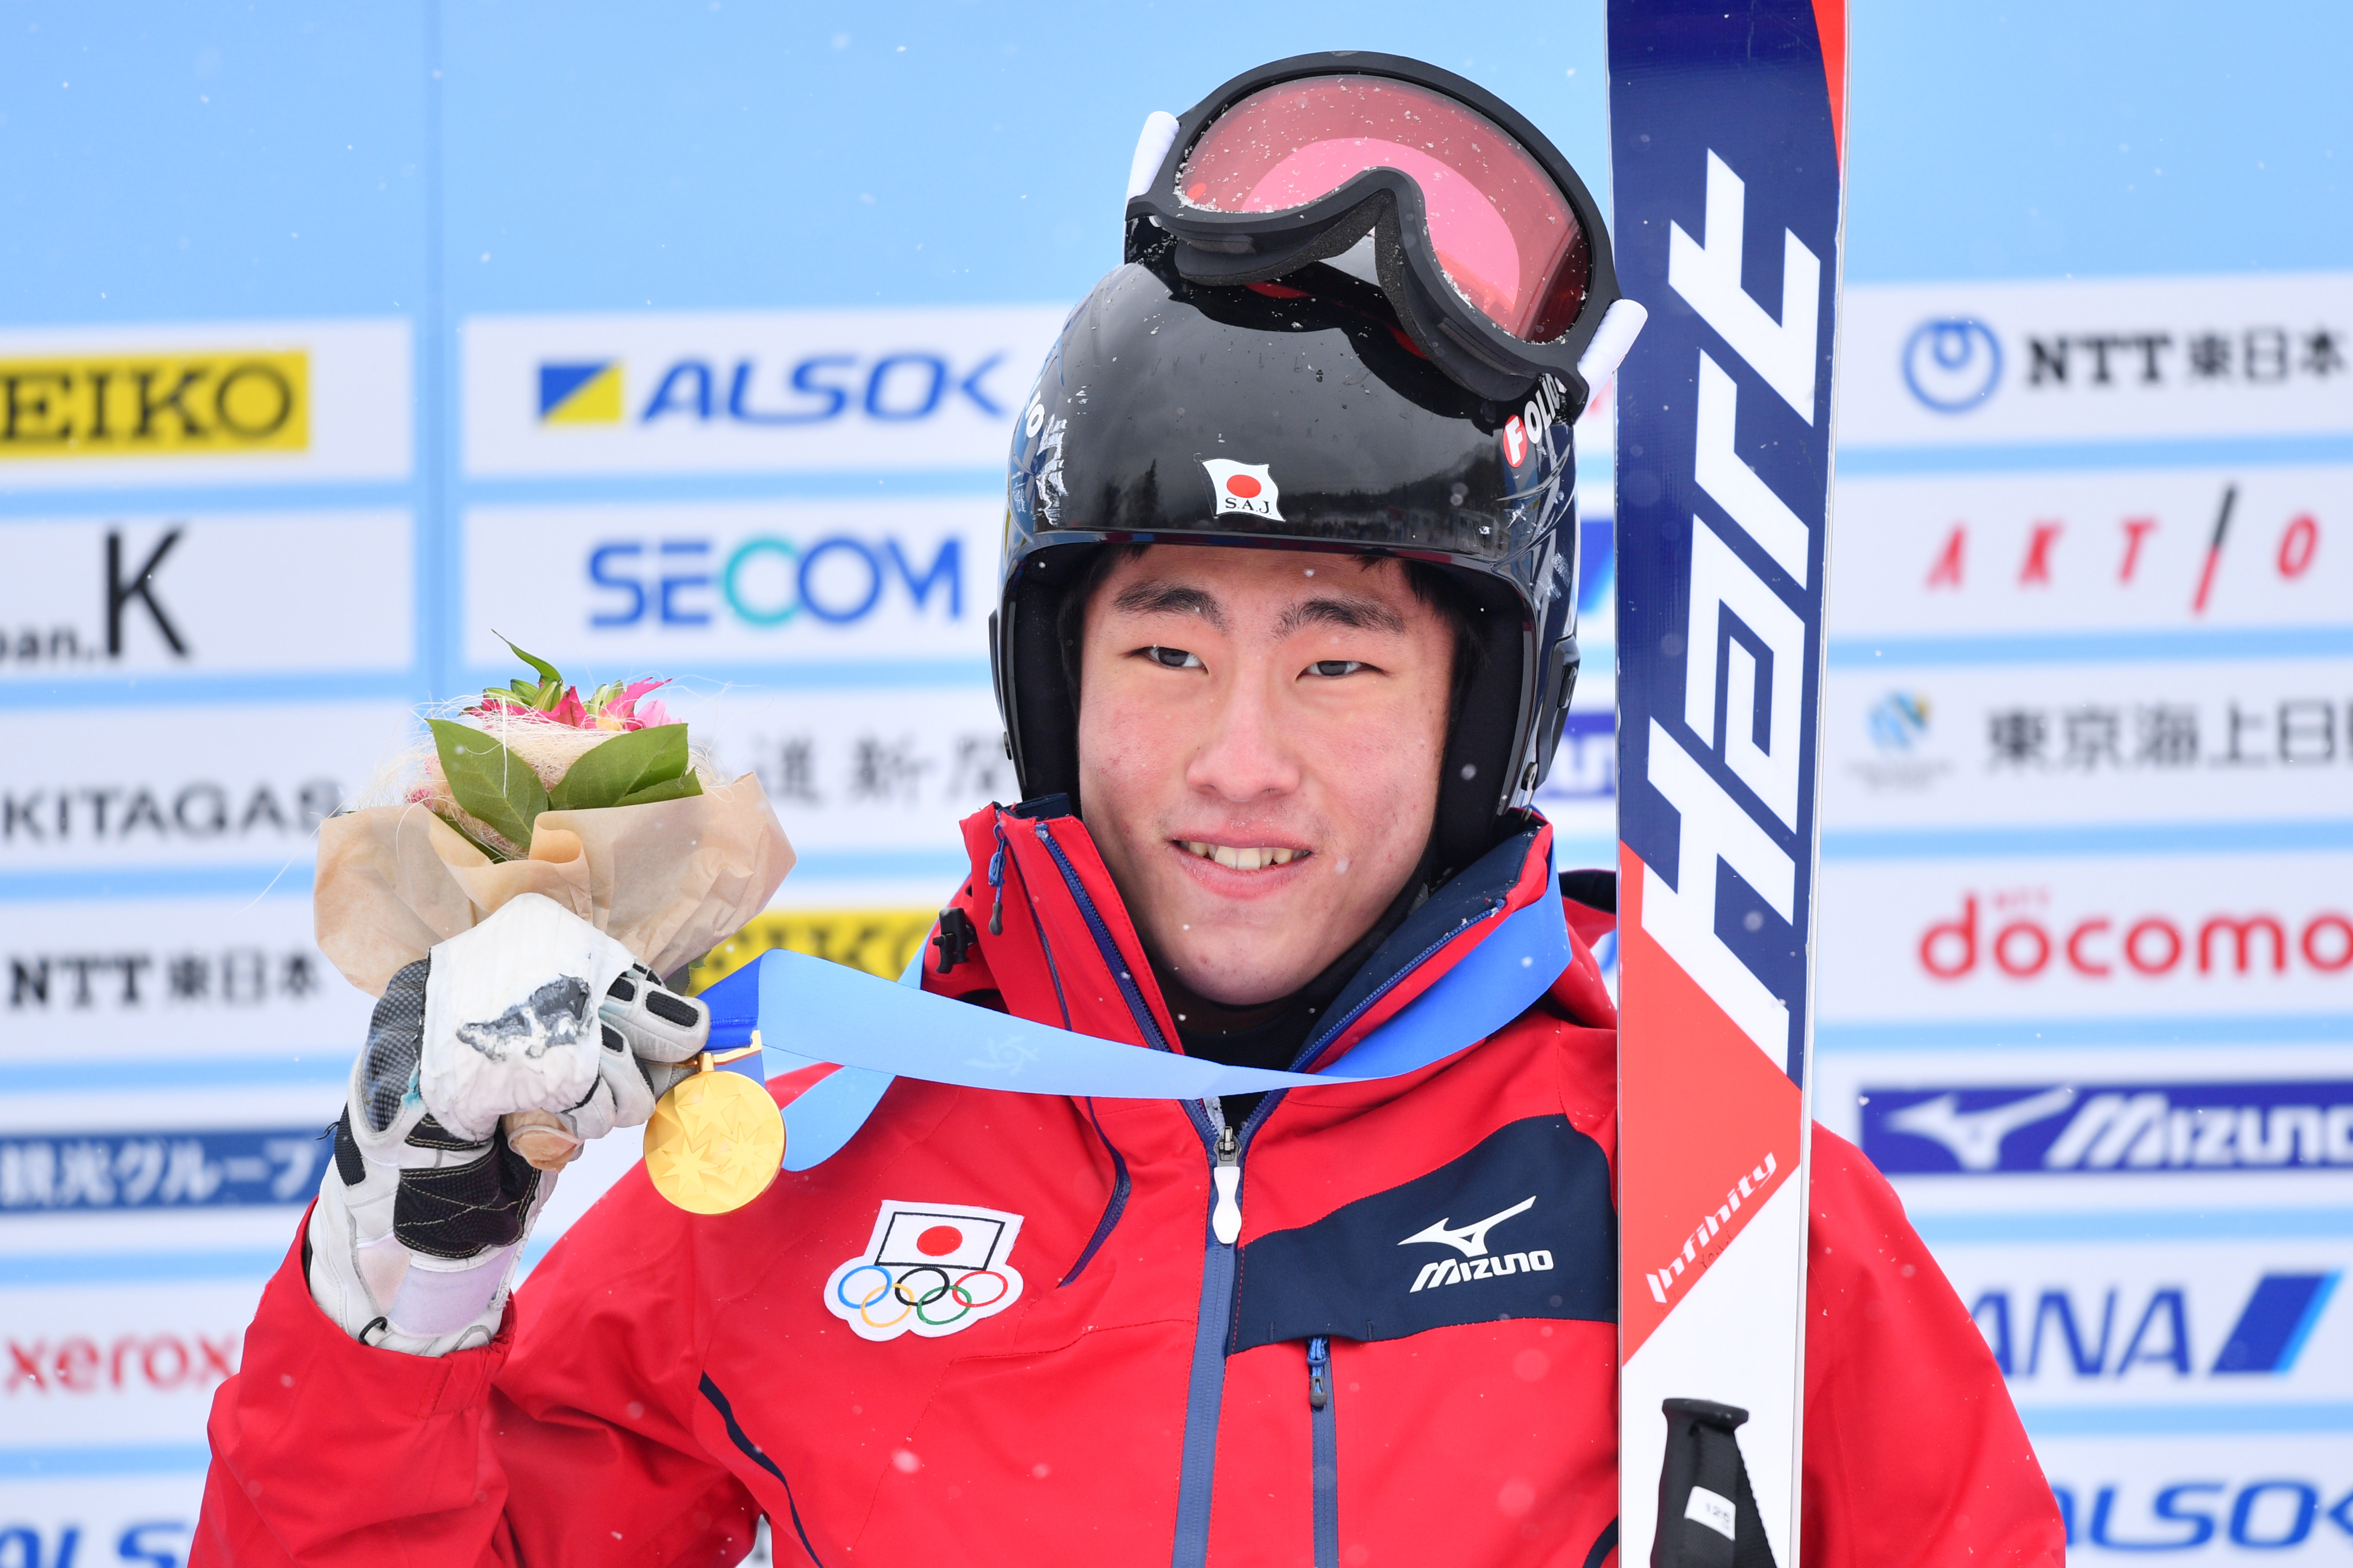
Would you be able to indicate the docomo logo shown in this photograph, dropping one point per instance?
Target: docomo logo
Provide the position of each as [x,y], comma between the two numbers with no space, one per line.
[2151,946]
[82,1365]
[767,580]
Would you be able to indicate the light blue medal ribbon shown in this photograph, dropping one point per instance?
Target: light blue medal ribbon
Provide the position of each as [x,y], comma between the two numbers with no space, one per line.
[876,1031]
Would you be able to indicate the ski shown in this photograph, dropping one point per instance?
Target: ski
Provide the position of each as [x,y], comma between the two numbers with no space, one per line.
[1725,158]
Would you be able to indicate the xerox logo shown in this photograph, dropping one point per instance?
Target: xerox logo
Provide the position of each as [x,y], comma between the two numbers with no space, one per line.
[85,1364]
[2092,1128]
[2021,936]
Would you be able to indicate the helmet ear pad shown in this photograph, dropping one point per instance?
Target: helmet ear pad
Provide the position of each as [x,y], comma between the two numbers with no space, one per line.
[1474,782]
[1036,673]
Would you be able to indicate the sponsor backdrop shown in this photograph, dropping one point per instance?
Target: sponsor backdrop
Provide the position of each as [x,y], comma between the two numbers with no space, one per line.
[687,340]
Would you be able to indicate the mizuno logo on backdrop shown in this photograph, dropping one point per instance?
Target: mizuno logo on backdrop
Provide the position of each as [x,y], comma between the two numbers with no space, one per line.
[2114,1127]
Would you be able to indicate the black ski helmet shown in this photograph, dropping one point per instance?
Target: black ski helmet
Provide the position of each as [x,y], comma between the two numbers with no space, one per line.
[1293,413]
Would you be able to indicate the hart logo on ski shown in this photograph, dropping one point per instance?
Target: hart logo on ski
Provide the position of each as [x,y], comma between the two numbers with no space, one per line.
[1727,167]
[1245,487]
[930,1269]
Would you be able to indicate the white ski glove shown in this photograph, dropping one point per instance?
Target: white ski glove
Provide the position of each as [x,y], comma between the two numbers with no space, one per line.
[474,1088]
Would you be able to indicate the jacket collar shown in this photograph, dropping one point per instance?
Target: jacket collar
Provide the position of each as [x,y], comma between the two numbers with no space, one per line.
[1055,942]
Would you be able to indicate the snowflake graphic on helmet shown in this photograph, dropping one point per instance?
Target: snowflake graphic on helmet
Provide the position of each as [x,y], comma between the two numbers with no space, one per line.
[1246,487]
[930,1269]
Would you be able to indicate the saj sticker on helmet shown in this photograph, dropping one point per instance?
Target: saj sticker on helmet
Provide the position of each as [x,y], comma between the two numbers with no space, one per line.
[1245,487]
[930,1269]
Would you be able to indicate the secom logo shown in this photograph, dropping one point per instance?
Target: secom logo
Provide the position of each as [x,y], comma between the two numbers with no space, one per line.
[769,580]
[164,405]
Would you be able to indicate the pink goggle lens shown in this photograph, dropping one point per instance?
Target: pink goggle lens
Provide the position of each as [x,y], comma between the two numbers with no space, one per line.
[1504,235]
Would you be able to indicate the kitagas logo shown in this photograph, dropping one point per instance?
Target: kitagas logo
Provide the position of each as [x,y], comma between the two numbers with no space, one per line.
[1247,488]
[930,1269]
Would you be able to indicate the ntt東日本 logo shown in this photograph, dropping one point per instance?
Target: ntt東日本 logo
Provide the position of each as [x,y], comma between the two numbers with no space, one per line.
[179,404]
[1245,487]
[1952,365]
[586,392]
[931,1269]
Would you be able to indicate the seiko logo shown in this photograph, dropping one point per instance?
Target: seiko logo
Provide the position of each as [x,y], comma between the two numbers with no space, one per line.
[1471,1241]
[182,404]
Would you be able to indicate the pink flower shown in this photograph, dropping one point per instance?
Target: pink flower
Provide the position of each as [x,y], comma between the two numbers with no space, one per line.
[651,714]
[624,707]
[569,711]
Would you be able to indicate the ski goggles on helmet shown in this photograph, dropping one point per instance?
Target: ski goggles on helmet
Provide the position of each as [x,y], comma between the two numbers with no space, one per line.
[1487,244]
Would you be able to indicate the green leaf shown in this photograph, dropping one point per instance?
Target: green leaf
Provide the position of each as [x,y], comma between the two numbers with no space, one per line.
[548,673]
[629,763]
[490,782]
[678,788]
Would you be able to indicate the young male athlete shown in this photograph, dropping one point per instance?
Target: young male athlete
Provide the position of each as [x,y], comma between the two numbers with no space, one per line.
[1284,641]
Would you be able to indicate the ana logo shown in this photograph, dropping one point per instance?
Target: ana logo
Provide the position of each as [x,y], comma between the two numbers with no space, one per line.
[1952,365]
[581,392]
[1245,487]
[1899,720]
[1515,441]
[932,1268]
[1471,1241]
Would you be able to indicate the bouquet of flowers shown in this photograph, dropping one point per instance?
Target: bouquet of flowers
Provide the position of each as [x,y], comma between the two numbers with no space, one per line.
[600,803]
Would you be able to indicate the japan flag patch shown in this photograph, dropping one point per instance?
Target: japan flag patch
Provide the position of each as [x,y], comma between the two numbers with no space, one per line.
[930,1269]
[1245,487]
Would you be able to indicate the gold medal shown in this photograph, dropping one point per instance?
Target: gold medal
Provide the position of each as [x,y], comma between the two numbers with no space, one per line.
[716,1139]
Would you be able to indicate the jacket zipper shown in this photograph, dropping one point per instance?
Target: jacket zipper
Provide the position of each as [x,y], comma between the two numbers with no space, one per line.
[1323,1421]
[1205,1387]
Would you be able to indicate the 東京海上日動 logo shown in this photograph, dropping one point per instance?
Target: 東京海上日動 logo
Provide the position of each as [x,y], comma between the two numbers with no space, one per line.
[1244,487]
[1952,365]
[930,1269]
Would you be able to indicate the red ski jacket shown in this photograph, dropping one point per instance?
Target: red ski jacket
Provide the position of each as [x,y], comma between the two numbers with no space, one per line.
[1000,1328]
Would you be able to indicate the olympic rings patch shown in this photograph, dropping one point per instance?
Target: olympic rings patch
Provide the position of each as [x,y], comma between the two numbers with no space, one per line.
[930,1269]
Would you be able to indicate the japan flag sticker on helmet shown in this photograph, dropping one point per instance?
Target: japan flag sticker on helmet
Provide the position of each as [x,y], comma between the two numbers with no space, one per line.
[1244,487]
[930,1269]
